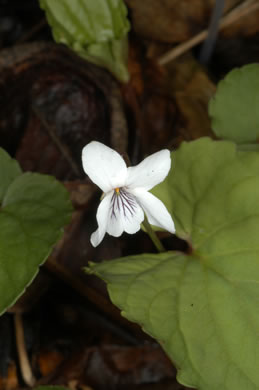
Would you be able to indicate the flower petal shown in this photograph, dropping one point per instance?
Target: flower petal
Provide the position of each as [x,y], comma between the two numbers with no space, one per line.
[155,210]
[104,166]
[102,217]
[150,171]
[126,214]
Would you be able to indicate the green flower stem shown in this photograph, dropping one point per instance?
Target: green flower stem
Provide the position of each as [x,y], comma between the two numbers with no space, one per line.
[152,234]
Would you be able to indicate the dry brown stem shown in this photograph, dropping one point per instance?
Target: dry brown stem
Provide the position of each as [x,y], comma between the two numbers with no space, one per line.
[238,12]
[25,366]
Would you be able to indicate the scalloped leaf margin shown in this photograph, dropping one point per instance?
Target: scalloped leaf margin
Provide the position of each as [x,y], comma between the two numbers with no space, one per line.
[234,108]
[95,29]
[34,210]
[203,307]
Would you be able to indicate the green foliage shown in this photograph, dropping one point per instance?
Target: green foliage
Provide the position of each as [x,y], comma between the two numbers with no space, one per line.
[202,307]
[9,170]
[234,108]
[34,209]
[95,29]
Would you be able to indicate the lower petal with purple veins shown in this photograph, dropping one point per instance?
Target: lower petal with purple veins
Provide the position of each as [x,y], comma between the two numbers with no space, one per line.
[125,213]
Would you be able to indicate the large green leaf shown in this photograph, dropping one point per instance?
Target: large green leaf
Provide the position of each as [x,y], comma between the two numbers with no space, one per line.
[95,29]
[34,210]
[234,108]
[202,307]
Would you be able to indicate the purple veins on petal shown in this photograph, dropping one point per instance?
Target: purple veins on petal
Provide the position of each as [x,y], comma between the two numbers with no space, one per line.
[122,201]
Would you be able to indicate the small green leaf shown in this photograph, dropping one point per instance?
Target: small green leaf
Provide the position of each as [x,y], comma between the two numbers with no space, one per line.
[202,307]
[234,108]
[34,210]
[95,29]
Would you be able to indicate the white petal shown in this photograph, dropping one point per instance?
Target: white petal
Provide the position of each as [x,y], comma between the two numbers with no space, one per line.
[150,171]
[104,166]
[155,210]
[102,217]
[126,215]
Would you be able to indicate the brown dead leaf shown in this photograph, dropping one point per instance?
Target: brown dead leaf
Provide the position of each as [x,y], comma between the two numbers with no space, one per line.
[244,27]
[173,105]
[135,68]
[11,380]
[151,111]
[75,385]
[52,104]
[159,112]
[81,192]
[110,367]
[192,89]
[171,20]
[48,361]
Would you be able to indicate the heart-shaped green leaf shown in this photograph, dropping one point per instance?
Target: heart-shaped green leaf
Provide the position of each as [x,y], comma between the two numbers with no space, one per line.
[95,29]
[234,108]
[202,307]
[34,210]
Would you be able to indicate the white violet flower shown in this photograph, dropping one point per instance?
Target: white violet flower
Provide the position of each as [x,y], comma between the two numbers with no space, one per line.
[126,197]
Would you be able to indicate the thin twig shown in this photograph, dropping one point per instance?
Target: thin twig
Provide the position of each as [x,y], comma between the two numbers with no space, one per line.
[25,366]
[237,13]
